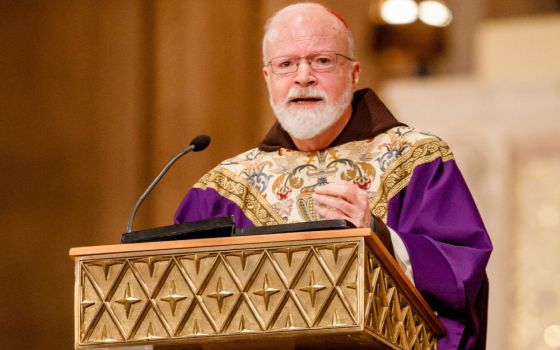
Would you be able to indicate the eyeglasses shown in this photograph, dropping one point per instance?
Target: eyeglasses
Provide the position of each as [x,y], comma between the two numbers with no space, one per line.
[318,61]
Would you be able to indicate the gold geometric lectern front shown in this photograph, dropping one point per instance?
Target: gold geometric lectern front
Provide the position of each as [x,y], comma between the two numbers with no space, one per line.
[325,290]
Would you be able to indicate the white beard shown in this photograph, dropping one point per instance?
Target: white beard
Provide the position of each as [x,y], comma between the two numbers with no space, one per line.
[306,123]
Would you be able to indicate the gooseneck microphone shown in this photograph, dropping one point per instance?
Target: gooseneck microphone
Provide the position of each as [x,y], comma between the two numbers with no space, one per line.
[199,143]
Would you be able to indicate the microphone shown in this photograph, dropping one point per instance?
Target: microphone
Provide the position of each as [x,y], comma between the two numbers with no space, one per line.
[199,143]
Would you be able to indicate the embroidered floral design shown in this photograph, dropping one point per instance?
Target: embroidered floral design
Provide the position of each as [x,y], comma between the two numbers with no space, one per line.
[393,149]
[248,156]
[269,185]
[255,174]
[363,182]
[284,208]
[283,192]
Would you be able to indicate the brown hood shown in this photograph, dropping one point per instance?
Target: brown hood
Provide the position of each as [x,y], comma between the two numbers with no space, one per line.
[370,117]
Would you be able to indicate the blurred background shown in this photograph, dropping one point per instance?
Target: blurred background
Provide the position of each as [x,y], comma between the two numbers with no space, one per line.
[96,96]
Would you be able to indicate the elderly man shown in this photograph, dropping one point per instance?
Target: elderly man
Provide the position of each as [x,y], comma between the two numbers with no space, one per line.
[338,153]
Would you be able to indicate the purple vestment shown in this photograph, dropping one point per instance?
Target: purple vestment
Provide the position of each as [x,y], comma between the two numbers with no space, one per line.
[448,246]
[437,219]
[432,211]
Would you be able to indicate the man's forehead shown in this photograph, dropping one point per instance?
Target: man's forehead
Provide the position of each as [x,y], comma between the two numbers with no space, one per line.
[305,43]
[308,31]
[311,22]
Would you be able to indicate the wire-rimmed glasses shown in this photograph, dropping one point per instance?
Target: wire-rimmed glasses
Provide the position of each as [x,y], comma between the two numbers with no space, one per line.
[318,62]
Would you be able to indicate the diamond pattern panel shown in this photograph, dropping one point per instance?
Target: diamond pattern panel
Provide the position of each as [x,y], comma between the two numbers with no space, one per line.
[348,286]
[335,256]
[243,263]
[277,289]
[266,291]
[151,327]
[243,320]
[289,260]
[197,323]
[127,301]
[151,270]
[219,294]
[197,266]
[173,298]
[312,288]
[104,273]
[389,314]
[90,304]
[335,314]
[289,317]
[105,330]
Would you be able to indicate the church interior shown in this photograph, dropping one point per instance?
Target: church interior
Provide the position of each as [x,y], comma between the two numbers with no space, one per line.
[98,95]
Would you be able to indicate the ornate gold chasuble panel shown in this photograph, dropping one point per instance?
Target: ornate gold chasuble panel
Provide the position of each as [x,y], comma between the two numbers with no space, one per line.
[276,187]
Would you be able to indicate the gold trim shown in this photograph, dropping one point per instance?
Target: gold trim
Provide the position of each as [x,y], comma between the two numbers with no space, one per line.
[242,193]
[398,175]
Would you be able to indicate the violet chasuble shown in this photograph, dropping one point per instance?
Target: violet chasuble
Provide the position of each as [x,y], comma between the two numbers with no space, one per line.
[414,186]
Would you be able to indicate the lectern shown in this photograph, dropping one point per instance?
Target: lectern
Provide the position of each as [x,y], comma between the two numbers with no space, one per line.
[337,289]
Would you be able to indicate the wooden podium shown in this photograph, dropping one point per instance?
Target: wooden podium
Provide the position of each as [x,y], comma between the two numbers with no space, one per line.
[314,290]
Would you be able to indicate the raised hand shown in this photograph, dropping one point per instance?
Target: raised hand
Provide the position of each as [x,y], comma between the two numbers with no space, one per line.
[343,200]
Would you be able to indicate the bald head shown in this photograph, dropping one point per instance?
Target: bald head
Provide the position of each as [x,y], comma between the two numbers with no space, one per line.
[294,22]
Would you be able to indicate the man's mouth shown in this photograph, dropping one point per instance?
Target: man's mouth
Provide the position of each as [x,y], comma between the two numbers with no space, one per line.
[303,101]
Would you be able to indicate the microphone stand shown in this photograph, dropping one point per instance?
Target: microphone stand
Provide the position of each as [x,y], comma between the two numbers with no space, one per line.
[132,215]
[217,227]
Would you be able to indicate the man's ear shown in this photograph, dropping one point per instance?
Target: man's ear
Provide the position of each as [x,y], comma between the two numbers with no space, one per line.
[355,74]
[266,74]
[267,77]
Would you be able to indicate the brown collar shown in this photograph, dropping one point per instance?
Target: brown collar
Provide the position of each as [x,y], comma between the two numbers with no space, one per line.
[369,118]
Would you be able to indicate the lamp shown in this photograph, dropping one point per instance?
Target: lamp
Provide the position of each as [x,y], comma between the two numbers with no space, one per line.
[434,13]
[397,12]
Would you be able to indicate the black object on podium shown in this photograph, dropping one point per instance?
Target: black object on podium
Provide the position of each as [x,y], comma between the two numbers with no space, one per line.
[218,227]
[225,227]
[320,225]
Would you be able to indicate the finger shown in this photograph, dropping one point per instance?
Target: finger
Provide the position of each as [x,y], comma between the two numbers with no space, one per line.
[330,213]
[334,202]
[343,190]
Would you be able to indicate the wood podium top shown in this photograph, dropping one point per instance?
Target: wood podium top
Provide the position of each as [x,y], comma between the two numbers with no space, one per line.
[223,241]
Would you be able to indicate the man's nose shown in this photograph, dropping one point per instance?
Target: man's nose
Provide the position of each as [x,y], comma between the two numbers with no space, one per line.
[305,76]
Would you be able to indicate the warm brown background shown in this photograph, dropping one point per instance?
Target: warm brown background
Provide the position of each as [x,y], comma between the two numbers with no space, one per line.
[95,97]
